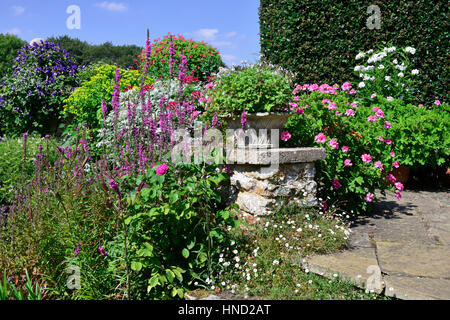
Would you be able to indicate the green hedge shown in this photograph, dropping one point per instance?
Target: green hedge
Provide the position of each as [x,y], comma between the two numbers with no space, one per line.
[319,39]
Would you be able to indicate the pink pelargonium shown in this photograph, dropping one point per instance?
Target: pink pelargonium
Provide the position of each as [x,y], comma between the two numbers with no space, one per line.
[369,197]
[398,195]
[387,125]
[350,112]
[399,186]
[346,86]
[395,164]
[366,158]
[372,118]
[334,144]
[285,135]
[348,163]
[336,184]
[162,169]
[345,149]
[379,165]
[320,138]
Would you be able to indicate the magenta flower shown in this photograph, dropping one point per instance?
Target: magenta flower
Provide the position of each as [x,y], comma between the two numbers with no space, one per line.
[373,95]
[336,184]
[390,99]
[324,205]
[366,158]
[392,154]
[285,135]
[380,114]
[162,169]
[395,164]
[398,195]
[348,163]
[352,91]
[392,178]
[320,138]
[399,186]
[243,119]
[387,125]
[334,144]
[380,138]
[437,102]
[388,141]
[369,197]
[345,149]
[102,251]
[372,118]
[346,86]
[379,165]
[350,112]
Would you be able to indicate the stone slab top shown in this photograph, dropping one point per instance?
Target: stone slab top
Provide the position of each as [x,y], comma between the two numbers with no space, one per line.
[273,156]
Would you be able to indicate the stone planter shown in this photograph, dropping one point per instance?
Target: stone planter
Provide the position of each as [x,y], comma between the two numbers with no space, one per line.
[257,184]
[257,131]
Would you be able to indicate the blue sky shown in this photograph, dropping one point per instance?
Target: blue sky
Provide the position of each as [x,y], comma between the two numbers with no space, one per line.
[229,25]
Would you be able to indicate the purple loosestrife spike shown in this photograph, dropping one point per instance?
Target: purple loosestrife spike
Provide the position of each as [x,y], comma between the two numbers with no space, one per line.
[104,109]
[243,119]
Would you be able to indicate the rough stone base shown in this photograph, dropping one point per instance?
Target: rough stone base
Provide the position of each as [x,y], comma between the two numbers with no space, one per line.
[257,191]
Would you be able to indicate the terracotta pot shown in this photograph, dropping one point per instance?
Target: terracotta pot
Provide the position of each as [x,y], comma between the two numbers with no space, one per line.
[401,174]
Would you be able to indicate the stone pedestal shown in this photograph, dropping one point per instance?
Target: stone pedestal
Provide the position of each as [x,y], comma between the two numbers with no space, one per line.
[260,177]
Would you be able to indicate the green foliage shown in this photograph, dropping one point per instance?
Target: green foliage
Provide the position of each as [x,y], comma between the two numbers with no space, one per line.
[254,89]
[202,59]
[175,227]
[9,45]
[8,290]
[319,39]
[84,53]
[420,135]
[84,104]
[11,164]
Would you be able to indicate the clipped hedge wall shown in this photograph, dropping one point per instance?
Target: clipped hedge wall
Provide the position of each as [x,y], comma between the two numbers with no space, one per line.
[319,39]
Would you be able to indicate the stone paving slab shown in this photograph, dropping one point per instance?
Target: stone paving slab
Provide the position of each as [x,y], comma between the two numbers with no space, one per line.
[408,240]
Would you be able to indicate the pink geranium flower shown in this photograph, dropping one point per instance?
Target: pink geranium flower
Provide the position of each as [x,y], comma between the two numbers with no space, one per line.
[162,169]
[372,118]
[336,184]
[379,165]
[345,149]
[399,186]
[391,178]
[398,195]
[285,135]
[380,138]
[388,141]
[334,144]
[346,86]
[369,197]
[437,102]
[387,125]
[350,112]
[380,114]
[366,158]
[320,138]
[395,164]
[348,163]
[373,95]
[392,154]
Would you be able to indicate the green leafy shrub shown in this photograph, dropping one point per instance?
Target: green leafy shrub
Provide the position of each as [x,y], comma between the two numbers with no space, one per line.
[9,45]
[202,59]
[12,163]
[84,104]
[421,136]
[31,98]
[254,89]
[319,40]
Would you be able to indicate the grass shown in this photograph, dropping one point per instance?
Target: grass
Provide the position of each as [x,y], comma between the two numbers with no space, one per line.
[265,260]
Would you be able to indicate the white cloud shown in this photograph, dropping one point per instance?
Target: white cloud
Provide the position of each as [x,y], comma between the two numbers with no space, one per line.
[221,43]
[229,58]
[18,10]
[206,34]
[231,34]
[112,6]
[15,31]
